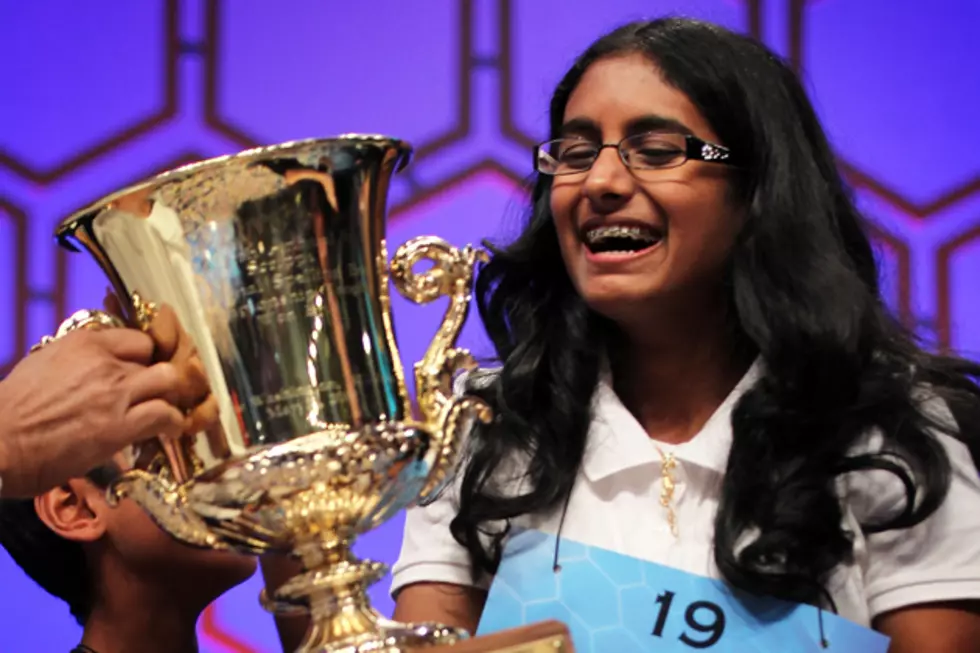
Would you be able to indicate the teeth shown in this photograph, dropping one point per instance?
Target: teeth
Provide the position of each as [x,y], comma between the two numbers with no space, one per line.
[597,234]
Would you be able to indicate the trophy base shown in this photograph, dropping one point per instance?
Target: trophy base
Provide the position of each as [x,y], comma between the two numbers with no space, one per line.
[385,637]
[333,595]
[309,497]
[542,637]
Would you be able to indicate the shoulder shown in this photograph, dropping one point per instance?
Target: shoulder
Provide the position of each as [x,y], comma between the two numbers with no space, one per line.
[937,559]
[430,553]
[509,470]
[479,378]
[877,495]
[476,380]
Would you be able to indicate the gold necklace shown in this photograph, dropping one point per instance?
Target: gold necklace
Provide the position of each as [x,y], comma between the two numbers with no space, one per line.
[667,485]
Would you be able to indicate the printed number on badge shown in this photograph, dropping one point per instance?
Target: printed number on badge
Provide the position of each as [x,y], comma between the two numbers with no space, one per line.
[705,618]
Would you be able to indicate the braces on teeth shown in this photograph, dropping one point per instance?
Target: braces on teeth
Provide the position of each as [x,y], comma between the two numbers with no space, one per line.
[618,231]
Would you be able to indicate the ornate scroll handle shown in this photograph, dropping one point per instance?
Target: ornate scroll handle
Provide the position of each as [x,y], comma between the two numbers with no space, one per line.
[451,275]
[83,319]
[154,492]
[94,319]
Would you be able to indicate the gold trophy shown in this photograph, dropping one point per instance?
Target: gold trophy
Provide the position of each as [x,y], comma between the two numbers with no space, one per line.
[274,261]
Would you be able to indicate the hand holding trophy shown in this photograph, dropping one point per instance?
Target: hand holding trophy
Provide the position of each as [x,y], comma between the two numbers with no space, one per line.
[274,262]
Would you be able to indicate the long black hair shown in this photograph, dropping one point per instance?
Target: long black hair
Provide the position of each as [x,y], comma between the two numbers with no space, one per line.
[805,294]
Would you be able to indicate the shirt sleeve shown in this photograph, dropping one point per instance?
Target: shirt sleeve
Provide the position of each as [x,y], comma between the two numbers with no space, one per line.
[937,559]
[429,552]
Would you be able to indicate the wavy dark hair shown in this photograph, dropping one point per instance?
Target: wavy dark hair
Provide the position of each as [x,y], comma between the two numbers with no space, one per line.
[58,565]
[805,295]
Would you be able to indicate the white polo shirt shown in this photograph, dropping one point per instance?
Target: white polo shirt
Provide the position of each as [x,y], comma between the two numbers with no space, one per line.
[615,504]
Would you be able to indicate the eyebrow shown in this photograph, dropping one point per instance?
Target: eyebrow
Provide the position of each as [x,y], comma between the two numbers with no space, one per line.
[650,123]
[580,127]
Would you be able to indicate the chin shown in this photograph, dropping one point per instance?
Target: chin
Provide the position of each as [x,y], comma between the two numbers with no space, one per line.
[621,302]
[214,572]
[640,308]
[226,564]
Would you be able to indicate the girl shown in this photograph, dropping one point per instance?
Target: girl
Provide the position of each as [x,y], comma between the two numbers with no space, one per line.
[698,371]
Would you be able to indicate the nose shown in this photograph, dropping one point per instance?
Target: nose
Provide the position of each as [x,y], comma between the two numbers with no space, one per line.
[609,183]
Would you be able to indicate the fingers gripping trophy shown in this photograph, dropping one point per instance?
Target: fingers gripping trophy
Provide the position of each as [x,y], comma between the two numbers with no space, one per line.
[274,262]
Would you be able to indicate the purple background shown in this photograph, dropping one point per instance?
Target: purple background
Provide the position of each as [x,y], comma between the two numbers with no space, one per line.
[100,94]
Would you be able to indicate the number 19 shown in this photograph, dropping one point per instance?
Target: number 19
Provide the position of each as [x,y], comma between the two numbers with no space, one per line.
[714,627]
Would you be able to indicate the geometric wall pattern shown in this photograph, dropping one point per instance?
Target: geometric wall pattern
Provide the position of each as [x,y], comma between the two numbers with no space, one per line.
[99,95]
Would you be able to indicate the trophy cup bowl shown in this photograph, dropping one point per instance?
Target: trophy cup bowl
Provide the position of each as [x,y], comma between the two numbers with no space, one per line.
[274,261]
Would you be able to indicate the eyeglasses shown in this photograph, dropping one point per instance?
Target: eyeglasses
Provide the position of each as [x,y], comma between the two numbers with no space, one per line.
[647,151]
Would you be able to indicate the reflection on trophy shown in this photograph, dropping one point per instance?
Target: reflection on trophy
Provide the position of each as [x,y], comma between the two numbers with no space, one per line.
[275,262]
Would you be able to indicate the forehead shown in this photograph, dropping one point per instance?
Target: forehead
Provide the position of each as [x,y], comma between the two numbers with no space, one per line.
[617,92]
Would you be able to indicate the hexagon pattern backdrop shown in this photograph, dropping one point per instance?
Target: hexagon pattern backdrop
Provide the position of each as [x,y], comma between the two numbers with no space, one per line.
[101,94]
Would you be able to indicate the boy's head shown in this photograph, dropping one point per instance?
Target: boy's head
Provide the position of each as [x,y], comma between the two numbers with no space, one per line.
[77,547]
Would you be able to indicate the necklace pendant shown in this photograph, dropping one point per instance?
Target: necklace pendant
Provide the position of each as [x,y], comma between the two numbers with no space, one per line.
[667,486]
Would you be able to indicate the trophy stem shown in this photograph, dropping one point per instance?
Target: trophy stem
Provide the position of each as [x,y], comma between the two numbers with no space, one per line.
[334,590]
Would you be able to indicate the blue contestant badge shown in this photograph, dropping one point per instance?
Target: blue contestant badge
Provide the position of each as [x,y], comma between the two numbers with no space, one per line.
[614,603]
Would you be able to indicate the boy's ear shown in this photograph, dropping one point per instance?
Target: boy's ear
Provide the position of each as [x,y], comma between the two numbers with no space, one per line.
[68,511]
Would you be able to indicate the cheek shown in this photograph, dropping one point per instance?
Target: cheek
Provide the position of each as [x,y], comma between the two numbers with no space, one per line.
[146,546]
[563,202]
[135,535]
[702,220]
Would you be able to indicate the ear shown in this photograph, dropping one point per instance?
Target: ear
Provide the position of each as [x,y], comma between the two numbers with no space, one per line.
[70,511]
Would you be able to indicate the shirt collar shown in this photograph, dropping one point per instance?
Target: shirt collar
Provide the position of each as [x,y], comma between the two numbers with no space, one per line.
[617,441]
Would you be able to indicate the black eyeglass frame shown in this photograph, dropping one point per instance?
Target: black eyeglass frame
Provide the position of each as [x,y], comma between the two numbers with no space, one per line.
[696,149]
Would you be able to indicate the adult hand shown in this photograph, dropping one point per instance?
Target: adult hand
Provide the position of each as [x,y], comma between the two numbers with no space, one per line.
[80,399]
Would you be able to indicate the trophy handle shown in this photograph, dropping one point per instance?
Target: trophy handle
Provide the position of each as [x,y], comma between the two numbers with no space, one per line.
[160,494]
[83,319]
[95,319]
[444,416]
[143,312]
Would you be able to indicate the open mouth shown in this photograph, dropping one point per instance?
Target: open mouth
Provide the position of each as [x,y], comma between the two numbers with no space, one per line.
[621,239]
